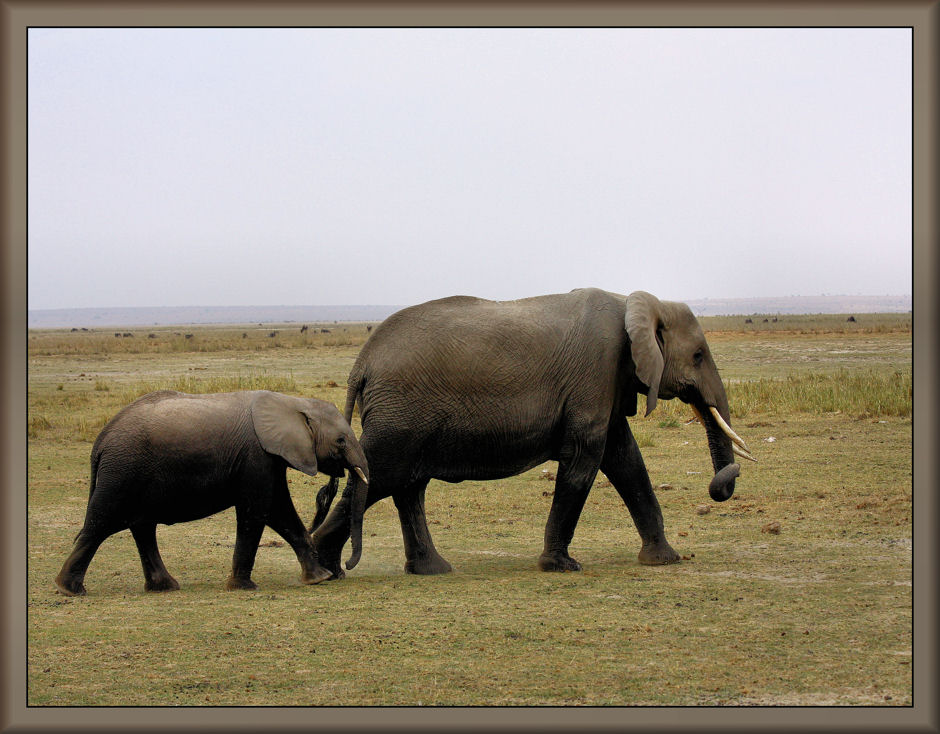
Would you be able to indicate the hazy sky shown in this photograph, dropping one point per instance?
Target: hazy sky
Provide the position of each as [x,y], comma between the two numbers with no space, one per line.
[176,167]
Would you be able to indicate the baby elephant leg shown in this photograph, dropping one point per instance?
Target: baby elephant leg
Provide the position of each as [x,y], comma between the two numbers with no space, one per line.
[285,521]
[71,579]
[247,537]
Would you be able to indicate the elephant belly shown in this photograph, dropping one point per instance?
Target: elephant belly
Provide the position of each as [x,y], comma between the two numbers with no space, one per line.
[181,504]
[482,455]
[181,498]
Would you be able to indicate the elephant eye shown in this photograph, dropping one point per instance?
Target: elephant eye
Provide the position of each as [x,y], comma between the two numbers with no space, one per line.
[698,356]
[341,441]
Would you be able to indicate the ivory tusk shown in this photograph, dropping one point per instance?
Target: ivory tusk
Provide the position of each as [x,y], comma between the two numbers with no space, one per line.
[742,453]
[361,474]
[727,429]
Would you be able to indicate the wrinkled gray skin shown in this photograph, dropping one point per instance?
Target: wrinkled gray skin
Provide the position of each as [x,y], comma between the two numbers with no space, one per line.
[171,457]
[463,388]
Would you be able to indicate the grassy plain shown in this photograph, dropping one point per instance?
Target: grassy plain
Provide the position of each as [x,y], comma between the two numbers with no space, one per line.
[797,591]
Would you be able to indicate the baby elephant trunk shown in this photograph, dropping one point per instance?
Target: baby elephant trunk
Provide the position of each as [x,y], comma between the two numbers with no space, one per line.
[356,492]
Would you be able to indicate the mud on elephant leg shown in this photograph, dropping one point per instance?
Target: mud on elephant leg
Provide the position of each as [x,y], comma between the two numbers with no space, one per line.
[421,556]
[625,469]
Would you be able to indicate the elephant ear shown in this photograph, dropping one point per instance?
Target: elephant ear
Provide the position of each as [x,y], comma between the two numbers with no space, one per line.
[642,322]
[281,426]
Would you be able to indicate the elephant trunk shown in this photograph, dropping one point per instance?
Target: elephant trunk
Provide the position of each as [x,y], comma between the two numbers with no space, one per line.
[723,444]
[355,494]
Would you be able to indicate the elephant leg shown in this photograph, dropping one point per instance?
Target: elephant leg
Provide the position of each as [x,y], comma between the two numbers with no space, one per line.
[156,577]
[71,578]
[324,500]
[247,537]
[625,469]
[106,503]
[572,485]
[421,557]
[285,521]
[331,535]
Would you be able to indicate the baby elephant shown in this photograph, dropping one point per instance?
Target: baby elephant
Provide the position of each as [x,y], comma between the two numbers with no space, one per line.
[170,457]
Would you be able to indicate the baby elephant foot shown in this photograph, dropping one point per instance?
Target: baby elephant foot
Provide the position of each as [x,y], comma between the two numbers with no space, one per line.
[658,554]
[558,561]
[70,587]
[235,583]
[162,583]
[333,569]
[336,575]
[329,559]
[315,575]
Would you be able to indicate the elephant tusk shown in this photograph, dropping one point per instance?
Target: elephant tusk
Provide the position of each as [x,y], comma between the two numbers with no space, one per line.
[742,453]
[735,438]
[361,474]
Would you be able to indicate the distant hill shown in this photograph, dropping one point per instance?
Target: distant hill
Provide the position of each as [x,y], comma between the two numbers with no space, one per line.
[107,317]
[801,305]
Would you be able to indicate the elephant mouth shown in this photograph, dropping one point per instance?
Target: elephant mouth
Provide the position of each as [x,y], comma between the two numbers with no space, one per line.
[737,443]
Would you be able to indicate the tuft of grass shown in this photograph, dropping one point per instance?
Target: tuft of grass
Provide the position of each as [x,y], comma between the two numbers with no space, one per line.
[38,425]
[87,428]
[864,394]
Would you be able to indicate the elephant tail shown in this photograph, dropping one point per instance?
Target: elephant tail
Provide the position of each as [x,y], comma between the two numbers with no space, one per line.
[95,460]
[354,392]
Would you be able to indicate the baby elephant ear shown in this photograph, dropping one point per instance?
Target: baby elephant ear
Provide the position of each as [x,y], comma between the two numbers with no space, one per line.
[282,429]
[642,321]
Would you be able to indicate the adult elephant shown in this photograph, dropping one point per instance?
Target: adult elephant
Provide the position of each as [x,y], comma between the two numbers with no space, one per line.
[464,388]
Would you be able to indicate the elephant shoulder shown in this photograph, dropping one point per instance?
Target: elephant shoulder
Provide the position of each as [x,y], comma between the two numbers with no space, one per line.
[144,404]
[459,301]
[159,396]
[594,306]
[597,296]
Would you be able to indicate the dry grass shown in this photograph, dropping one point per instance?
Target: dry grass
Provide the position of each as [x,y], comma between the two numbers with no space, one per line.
[818,613]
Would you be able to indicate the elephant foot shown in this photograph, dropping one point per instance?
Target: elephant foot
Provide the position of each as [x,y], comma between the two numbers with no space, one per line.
[162,583]
[328,556]
[315,575]
[332,567]
[338,575]
[658,554]
[240,584]
[70,587]
[428,565]
[558,562]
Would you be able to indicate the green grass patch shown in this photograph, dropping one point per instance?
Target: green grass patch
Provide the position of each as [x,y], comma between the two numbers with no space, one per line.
[865,394]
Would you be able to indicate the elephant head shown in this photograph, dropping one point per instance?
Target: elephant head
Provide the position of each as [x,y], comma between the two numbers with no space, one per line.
[311,435]
[673,360]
